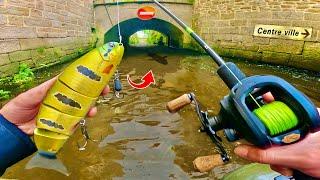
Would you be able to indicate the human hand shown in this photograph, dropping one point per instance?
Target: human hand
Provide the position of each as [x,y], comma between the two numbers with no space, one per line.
[23,109]
[302,156]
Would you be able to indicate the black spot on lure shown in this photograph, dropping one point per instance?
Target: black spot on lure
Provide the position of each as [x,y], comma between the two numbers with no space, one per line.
[51,124]
[87,72]
[68,101]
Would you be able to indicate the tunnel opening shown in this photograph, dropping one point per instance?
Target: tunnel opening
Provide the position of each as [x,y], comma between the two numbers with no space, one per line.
[148,38]
[174,36]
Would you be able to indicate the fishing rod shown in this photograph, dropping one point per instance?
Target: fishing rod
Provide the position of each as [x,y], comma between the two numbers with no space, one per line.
[245,113]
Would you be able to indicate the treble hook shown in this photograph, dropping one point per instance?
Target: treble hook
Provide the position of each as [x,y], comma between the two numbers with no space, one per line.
[118,95]
[85,134]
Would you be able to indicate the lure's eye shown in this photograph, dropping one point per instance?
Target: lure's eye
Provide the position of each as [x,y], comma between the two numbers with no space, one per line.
[111,45]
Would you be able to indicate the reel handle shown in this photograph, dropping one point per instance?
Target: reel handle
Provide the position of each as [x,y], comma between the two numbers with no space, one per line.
[206,163]
[178,103]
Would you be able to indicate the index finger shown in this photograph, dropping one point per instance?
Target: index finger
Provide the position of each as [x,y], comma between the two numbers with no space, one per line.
[105,91]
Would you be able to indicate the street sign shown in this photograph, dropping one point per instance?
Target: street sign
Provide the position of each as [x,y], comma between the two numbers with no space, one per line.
[284,32]
[146,13]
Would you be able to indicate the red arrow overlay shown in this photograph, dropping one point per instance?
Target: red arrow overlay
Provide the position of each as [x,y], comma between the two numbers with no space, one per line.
[147,80]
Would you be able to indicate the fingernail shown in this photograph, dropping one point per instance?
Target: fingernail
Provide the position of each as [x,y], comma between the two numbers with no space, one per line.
[241,151]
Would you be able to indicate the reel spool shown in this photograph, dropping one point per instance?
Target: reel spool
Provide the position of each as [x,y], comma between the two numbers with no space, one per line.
[277,117]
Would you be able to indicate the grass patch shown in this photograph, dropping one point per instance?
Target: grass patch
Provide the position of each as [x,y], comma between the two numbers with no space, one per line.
[40,50]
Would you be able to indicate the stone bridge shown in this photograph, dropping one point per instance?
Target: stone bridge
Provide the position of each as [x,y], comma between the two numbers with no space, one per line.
[106,20]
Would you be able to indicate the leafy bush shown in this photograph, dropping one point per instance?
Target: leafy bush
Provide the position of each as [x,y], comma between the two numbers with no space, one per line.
[134,40]
[5,95]
[24,75]
[155,37]
[150,36]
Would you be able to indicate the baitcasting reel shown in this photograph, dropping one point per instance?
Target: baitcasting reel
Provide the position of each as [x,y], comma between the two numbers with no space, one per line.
[244,113]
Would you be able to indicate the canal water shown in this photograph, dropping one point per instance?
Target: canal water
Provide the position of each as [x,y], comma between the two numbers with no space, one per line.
[139,138]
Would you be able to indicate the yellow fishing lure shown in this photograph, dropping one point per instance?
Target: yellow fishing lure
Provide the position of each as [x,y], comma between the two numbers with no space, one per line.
[72,95]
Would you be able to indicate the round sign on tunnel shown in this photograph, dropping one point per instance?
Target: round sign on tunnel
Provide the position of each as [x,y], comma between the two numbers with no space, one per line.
[146,13]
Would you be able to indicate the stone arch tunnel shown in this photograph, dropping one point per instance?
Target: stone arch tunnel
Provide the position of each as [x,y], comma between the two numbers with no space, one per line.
[131,26]
[106,20]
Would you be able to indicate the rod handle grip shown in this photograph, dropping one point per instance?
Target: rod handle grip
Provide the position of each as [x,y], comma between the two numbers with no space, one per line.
[206,163]
[178,103]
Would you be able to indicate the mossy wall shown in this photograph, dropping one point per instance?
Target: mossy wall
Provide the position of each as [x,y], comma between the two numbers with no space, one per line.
[228,27]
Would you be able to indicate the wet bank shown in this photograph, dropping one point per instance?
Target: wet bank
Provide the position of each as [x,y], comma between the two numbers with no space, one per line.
[140,139]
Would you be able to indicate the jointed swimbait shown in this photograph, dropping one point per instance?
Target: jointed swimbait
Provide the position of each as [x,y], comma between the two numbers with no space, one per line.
[69,100]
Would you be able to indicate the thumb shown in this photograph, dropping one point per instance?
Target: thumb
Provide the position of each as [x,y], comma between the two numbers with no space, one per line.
[253,154]
[24,107]
[33,97]
[274,155]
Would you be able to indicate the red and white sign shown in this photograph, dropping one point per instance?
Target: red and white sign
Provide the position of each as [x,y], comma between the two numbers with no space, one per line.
[146,13]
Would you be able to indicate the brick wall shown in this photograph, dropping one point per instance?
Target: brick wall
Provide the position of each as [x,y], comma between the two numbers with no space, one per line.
[228,26]
[40,32]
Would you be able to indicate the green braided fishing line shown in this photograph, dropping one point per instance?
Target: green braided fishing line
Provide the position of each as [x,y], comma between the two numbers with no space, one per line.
[277,117]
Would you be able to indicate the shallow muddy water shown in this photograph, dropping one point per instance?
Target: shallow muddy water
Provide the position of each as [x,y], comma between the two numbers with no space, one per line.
[139,138]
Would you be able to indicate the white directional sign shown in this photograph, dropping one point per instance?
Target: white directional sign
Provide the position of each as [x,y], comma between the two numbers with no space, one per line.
[285,32]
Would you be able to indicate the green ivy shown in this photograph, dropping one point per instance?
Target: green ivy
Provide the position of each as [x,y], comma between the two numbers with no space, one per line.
[5,95]
[155,37]
[133,40]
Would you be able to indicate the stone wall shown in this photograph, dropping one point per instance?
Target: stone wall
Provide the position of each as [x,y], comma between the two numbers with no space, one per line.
[228,26]
[42,32]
